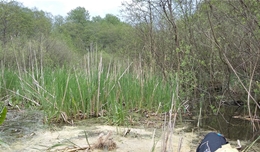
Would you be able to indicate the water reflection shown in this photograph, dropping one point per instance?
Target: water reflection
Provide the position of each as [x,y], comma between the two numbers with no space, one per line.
[233,128]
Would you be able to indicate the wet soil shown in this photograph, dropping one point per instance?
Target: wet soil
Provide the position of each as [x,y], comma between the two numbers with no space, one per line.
[24,131]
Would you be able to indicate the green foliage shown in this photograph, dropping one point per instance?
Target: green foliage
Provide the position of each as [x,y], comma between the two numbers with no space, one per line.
[214,109]
[3,115]
[80,33]
[41,51]
[42,22]
[78,15]
[111,19]
[77,30]
[14,20]
[18,21]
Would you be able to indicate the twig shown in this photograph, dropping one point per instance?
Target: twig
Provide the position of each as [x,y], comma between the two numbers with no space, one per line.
[180,144]
[247,90]
[86,136]
[153,141]
[241,81]
[120,76]
[248,147]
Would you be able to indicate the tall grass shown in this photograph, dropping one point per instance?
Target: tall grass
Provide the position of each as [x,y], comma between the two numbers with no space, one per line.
[97,87]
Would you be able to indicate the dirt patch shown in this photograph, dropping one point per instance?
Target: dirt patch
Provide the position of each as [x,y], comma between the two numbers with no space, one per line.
[70,137]
[23,133]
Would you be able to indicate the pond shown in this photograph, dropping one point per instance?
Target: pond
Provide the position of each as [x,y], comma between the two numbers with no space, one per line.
[233,122]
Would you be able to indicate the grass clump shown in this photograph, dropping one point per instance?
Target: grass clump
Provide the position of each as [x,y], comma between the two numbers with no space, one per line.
[97,89]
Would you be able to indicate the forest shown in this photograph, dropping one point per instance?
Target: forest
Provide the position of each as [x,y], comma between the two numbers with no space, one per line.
[182,56]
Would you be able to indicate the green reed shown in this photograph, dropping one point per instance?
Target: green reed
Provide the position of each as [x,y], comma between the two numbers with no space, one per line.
[98,89]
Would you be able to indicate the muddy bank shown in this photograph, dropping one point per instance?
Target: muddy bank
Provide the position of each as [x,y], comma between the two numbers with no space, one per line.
[136,140]
[24,131]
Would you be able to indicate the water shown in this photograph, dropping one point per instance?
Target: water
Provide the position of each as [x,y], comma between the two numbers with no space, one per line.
[21,125]
[232,128]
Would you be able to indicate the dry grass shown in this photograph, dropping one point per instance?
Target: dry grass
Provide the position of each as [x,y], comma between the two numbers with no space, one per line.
[105,142]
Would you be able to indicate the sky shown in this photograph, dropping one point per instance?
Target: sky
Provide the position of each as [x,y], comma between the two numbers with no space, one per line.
[62,7]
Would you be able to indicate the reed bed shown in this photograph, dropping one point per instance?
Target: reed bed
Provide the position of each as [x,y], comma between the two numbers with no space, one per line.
[96,87]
